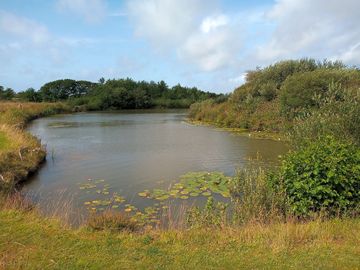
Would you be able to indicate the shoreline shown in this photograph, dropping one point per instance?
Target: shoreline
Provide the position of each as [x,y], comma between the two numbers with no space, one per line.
[265,135]
[24,153]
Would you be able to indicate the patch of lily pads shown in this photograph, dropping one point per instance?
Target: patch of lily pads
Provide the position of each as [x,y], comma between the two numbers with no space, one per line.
[114,201]
[193,184]
[190,185]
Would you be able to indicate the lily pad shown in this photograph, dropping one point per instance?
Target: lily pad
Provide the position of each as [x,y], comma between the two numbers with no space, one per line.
[143,194]
[163,197]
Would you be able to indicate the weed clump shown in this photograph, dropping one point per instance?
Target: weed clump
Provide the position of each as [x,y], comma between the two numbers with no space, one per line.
[112,221]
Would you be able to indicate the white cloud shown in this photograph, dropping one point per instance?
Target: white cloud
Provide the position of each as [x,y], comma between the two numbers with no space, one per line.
[315,28]
[211,23]
[166,22]
[92,11]
[210,51]
[194,29]
[23,28]
[239,79]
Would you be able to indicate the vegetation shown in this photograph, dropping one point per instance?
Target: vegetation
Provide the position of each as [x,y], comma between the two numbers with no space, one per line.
[32,242]
[305,210]
[322,176]
[112,94]
[112,221]
[6,94]
[274,96]
[20,152]
[317,105]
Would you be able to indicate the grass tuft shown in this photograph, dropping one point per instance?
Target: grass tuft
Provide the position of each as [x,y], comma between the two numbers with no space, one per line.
[112,221]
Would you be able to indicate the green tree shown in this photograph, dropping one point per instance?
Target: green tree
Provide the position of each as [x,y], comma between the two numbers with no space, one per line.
[30,94]
[6,94]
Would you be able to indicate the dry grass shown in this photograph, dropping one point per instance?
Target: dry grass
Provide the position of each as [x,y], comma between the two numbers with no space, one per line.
[20,152]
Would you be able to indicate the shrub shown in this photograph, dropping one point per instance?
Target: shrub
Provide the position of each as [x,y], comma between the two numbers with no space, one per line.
[338,115]
[322,175]
[299,89]
[112,221]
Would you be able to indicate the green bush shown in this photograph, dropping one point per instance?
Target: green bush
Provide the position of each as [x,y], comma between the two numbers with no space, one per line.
[337,114]
[298,90]
[324,175]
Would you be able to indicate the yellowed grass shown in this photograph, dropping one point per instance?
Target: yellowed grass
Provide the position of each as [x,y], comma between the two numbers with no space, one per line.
[20,152]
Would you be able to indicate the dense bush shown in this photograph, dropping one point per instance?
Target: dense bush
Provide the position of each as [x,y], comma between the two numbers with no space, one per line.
[298,90]
[273,96]
[322,175]
[337,114]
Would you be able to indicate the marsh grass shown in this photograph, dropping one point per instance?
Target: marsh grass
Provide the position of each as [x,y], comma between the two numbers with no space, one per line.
[20,152]
[254,199]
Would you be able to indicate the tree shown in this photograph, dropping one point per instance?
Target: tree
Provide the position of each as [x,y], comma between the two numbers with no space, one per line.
[6,94]
[102,80]
[30,95]
[65,89]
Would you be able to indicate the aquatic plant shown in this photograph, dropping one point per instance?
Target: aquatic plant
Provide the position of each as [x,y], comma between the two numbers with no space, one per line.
[193,184]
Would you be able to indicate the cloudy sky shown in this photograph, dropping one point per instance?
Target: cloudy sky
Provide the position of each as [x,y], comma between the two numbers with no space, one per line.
[205,43]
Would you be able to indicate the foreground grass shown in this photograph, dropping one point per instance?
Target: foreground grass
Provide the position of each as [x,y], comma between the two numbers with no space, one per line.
[30,242]
[4,141]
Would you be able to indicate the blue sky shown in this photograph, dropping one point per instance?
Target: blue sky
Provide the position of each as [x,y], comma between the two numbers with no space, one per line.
[209,44]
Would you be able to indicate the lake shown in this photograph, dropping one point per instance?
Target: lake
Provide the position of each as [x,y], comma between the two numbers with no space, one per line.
[94,155]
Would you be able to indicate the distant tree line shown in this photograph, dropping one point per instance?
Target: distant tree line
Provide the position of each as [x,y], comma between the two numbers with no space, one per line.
[113,94]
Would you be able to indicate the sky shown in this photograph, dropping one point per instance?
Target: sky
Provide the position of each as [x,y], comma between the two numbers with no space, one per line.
[209,44]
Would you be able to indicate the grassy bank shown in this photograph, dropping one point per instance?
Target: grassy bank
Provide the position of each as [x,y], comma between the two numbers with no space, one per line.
[30,242]
[20,152]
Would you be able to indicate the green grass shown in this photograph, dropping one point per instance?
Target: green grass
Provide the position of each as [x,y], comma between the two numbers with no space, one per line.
[30,242]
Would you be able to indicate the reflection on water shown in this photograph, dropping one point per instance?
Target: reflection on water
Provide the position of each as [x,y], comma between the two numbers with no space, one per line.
[134,151]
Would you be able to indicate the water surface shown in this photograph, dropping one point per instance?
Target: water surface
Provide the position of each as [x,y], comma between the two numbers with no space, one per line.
[133,151]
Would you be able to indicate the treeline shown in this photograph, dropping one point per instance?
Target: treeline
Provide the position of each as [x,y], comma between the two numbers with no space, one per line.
[113,94]
[275,95]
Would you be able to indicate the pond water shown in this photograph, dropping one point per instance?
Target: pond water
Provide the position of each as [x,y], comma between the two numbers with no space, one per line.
[94,155]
